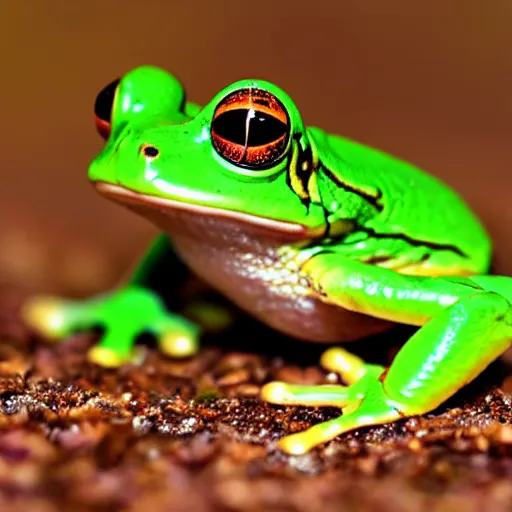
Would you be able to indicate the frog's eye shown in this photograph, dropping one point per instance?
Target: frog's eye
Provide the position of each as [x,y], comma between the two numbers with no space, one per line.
[251,129]
[103,108]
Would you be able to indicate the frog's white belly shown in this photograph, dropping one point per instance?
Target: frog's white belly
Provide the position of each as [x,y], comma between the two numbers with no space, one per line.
[244,266]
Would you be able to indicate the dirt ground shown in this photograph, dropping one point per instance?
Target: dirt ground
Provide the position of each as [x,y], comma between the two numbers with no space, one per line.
[192,435]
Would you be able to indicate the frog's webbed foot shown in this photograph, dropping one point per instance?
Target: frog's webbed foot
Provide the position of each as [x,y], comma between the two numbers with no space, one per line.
[125,314]
[363,402]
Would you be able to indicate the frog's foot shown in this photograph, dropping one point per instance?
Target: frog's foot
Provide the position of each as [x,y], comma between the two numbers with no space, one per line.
[363,402]
[124,314]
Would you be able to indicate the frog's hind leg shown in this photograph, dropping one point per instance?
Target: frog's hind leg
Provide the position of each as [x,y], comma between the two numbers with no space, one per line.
[466,324]
[360,396]
[453,348]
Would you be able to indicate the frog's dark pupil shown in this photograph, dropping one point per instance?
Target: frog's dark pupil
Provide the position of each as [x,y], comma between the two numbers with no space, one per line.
[150,151]
[247,125]
[105,100]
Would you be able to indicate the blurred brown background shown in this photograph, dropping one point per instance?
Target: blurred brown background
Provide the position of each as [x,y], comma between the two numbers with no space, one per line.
[430,83]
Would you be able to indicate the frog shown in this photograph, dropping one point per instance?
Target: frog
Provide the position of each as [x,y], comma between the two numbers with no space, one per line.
[318,236]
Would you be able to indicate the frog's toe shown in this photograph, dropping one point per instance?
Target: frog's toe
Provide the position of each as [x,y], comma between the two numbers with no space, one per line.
[363,403]
[350,367]
[109,357]
[292,394]
[178,345]
[366,415]
[177,337]
[303,442]
[49,316]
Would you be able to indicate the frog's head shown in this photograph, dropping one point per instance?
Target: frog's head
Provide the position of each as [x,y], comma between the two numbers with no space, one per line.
[245,156]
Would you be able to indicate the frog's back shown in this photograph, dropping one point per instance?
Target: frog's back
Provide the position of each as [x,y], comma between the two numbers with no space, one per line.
[412,203]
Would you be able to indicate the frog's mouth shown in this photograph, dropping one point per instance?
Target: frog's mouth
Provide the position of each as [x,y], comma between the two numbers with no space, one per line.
[289,230]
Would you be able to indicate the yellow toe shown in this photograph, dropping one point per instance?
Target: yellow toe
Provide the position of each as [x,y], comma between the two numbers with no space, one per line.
[107,357]
[294,445]
[348,365]
[45,315]
[178,345]
[275,392]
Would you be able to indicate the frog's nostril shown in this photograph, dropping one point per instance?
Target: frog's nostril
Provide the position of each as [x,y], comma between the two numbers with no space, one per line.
[149,151]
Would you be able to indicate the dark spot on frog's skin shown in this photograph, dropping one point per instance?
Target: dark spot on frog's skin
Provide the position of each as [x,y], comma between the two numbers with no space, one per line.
[374,200]
[382,376]
[150,151]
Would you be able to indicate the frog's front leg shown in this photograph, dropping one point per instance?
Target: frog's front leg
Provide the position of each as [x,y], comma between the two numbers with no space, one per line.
[124,313]
[467,323]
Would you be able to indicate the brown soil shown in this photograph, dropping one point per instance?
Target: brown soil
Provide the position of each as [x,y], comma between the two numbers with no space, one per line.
[192,435]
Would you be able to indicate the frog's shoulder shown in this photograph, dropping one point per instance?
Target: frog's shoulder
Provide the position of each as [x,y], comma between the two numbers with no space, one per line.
[364,167]
[412,202]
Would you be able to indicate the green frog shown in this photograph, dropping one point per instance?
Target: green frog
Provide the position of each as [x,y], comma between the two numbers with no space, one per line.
[319,237]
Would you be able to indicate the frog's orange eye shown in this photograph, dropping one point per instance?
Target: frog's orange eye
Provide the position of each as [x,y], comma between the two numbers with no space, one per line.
[251,128]
[103,108]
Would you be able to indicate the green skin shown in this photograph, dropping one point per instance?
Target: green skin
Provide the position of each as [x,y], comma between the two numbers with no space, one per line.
[331,243]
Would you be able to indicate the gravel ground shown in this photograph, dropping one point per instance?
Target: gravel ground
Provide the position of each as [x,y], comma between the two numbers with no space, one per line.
[192,435]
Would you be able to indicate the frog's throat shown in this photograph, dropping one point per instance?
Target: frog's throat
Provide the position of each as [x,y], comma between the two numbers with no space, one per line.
[291,230]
